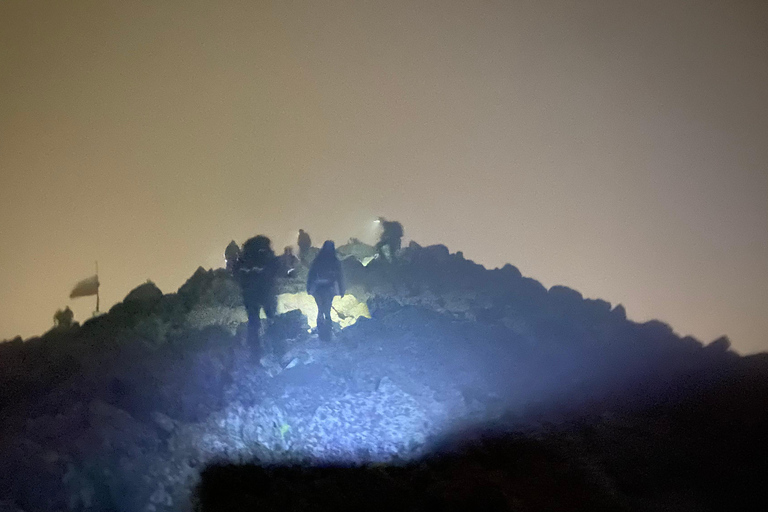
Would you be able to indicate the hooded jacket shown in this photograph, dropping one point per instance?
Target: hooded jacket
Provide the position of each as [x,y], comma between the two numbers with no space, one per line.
[325,271]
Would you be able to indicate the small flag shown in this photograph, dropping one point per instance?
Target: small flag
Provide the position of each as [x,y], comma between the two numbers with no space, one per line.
[86,287]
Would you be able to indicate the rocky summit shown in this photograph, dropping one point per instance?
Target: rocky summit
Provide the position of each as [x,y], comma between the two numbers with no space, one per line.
[446,386]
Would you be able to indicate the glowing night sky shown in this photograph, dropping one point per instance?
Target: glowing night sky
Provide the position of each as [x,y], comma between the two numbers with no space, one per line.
[617,147]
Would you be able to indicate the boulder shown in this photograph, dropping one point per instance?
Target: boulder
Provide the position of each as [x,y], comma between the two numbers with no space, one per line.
[147,293]
[163,422]
[565,295]
[356,249]
[721,344]
[212,288]
[140,302]
[511,271]
[289,325]
[438,254]
[118,432]
[619,312]
[230,318]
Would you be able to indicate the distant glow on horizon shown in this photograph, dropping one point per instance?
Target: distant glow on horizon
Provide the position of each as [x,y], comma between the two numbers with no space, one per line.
[627,162]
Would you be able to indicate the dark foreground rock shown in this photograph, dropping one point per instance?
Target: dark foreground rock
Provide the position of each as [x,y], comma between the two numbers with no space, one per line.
[516,474]
[705,453]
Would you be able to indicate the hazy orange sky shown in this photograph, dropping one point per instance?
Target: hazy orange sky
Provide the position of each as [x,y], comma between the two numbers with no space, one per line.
[617,147]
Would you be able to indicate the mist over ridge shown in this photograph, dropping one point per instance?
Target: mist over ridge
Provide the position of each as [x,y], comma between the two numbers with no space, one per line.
[614,148]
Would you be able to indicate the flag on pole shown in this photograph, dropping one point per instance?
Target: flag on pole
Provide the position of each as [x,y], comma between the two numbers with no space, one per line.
[86,287]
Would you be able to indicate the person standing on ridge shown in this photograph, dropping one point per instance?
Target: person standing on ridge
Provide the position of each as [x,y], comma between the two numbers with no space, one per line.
[324,282]
[304,243]
[231,254]
[391,238]
[288,262]
[255,270]
[63,318]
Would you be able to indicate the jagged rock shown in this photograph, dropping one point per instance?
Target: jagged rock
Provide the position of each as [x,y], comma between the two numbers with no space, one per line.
[80,489]
[297,356]
[229,318]
[597,307]
[657,330]
[211,288]
[161,497]
[356,249]
[566,300]
[9,506]
[386,423]
[353,269]
[239,432]
[15,342]
[380,306]
[619,312]
[289,325]
[518,325]
[511,271]
[721,344]
[272,366]
[27,477]
[163,422]
[348,309]
[118,432]
[47,427]
[436,254]
[153,331]
[147,293]
[139,303]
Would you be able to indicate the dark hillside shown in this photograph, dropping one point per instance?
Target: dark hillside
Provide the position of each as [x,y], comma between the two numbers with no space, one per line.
[466,389]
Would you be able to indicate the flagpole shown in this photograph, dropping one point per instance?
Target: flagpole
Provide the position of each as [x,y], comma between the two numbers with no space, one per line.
[97,287]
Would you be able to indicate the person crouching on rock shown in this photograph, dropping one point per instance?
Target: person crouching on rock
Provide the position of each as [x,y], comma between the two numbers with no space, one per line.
[391,238]
[255,271]
[325,281]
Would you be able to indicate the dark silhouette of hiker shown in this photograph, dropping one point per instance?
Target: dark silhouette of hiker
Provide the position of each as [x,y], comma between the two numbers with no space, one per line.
[231,253]
[288,262]
[324,282]
[63,318]
[255,271]
[391,238]
[305,243]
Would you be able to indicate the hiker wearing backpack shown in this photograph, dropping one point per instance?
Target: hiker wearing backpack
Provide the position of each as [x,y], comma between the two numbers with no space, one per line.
[255,271]
[325,281]
[305,244]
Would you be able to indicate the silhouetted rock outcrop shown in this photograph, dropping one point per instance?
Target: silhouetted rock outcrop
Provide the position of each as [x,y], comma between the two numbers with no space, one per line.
[579,407]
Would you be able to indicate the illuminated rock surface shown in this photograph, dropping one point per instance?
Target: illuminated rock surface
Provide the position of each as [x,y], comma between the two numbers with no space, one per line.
[346,310]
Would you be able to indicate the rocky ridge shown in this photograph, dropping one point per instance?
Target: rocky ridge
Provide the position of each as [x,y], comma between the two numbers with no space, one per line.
[125,412]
